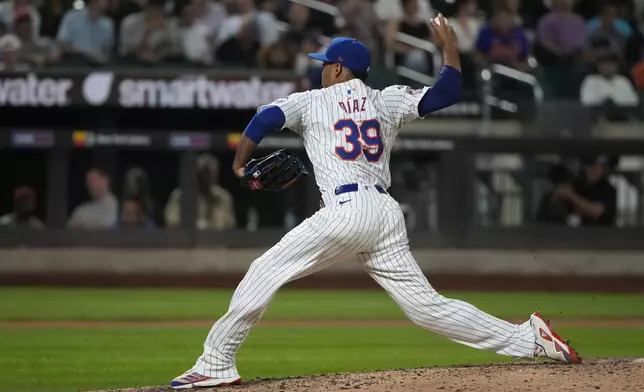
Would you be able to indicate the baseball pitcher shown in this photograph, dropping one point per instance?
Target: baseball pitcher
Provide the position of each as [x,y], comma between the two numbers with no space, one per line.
[348,131]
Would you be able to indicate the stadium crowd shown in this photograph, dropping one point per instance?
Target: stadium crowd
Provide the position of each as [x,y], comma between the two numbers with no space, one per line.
[601,40]
[134,207]
[586,50]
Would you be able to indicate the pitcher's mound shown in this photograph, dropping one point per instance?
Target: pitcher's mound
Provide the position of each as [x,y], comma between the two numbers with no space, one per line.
[611,374]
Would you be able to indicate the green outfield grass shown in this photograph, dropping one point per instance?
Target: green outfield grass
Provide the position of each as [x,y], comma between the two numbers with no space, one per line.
[84,358]
[159,304]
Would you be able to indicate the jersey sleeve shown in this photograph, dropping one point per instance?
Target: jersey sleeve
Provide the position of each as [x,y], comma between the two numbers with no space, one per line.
[294,107]
[403,101]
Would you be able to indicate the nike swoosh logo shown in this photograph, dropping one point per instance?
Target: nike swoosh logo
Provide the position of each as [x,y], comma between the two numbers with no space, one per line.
[346,201]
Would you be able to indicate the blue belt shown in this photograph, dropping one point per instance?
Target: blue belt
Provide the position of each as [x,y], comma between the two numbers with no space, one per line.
[354,188]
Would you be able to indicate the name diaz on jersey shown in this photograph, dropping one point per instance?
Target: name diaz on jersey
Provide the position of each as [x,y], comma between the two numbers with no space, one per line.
[353,105]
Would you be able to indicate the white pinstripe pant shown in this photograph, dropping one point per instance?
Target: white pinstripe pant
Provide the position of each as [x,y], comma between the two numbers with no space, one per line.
[371,228]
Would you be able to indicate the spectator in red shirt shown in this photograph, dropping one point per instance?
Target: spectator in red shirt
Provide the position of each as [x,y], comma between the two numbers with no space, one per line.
[24,204]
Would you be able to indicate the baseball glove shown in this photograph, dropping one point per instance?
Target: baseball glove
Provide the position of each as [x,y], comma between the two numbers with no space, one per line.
[273,172]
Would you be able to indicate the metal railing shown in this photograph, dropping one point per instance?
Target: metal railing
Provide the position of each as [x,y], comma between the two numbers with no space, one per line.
[520,76]
[489,100]
[437,59]
[407,39]
[319,6]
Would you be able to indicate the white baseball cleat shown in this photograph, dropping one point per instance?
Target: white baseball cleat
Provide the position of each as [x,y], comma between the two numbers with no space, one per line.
[192,379]
[549,344]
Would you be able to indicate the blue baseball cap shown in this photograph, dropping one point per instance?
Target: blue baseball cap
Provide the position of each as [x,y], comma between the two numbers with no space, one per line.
[349,52]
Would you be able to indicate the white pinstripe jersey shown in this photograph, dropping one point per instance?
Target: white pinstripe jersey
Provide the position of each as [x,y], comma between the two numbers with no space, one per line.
[349,129]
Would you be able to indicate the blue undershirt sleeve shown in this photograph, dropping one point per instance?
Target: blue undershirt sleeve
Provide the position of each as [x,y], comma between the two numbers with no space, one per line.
[446,91]
[269,119]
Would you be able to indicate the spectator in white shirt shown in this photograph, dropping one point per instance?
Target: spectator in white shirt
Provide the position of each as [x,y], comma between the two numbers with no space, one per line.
[35,50]
[393,10]
[608,86]
[193,36]
[102,211]
[149,36]
[413,25]
[10,47]
[211,14]
[466,24]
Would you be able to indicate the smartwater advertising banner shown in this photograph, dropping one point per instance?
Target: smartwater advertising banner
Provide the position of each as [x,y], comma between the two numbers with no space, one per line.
[176,89]
[192,91]
[136,88]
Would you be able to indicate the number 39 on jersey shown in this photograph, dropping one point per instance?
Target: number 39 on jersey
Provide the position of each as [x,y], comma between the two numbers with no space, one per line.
[359,139]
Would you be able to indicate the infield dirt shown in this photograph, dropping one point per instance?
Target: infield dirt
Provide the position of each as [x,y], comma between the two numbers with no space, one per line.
[609,374]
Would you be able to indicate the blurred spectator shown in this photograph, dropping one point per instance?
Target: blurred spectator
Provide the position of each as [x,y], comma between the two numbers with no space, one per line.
[639,15]
[411,24]
[215,208]
[607,33]
[609,18]
[608,86]
[303,63]
[300,37]
[245,36]
[299,28]
[194,37]
[532,11]
[9,9]
[268,6]
[561,34]
[51,12]
[10,47]
[35,50]
[514,8]
[133,216]
[552,207]
[102,210]
[210,14]
[148,36]
[278,56]
[323,22]
[503,42]
[638,75]
[361,22]
[466,24]
[117,10]
[561,39]
[136,185]
[88,34]
[593,198]
[24,204]
[390,10]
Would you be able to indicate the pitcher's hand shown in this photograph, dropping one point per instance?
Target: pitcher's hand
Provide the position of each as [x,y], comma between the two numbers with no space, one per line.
[443,34]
